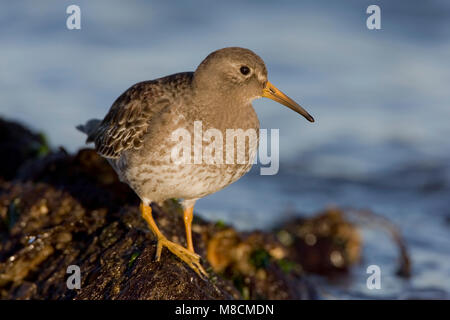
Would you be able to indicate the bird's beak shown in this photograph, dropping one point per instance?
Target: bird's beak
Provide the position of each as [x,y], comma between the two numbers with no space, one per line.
[271,92]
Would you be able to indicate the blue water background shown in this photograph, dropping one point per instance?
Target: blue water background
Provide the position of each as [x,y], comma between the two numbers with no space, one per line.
[381,100]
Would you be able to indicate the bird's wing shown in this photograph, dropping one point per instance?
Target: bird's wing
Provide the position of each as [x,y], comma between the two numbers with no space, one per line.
[129,118]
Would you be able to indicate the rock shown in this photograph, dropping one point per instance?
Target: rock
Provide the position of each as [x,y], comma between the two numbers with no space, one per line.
[20,145]
[112,245]
[258,264]
[113,249]
[63,210]
[325,244]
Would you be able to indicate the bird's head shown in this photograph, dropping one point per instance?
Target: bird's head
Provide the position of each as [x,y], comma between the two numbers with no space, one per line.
[240,74]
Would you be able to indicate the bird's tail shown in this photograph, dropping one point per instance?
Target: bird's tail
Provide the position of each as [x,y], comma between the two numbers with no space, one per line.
[90,128]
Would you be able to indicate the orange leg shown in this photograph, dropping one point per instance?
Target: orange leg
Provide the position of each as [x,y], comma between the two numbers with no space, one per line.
[189,257]
[188,216]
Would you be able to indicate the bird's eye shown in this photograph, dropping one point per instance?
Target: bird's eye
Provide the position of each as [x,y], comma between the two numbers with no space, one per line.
[245,70]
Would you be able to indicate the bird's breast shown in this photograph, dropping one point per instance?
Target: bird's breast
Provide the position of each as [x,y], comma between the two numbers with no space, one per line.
[190,157]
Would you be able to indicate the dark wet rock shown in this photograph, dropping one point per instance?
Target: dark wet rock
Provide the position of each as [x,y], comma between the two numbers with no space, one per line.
[258,265]
[325,244]
[60,210]
[18,144]
[113,249]
[86,176]
[64,210]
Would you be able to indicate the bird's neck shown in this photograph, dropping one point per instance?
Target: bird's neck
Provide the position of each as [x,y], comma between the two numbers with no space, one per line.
[220,107]
[224,111]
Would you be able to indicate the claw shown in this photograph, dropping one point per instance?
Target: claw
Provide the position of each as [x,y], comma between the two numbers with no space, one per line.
[190,258]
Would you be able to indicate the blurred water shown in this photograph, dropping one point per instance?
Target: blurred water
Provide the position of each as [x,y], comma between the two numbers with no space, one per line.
[381,101]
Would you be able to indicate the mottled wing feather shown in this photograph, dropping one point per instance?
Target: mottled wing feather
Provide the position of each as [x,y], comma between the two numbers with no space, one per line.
[128,119]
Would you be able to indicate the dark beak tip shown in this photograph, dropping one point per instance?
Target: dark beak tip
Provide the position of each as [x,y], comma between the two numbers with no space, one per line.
[310,118]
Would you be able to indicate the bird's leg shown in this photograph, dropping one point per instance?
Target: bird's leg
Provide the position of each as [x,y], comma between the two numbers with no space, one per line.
[190,258]
[188,215]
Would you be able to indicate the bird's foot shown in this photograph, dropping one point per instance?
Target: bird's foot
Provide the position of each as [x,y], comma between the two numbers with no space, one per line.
[190,258]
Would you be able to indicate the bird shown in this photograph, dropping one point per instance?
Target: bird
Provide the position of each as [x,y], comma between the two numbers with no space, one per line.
[137,135]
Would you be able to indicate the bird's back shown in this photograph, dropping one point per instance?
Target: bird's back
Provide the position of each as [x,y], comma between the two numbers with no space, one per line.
[130,116]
